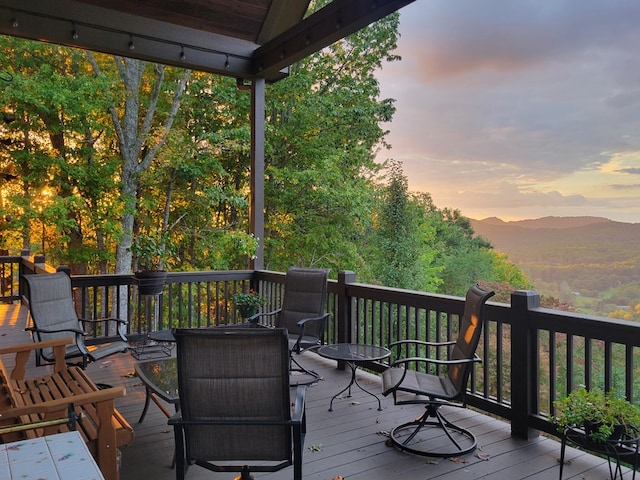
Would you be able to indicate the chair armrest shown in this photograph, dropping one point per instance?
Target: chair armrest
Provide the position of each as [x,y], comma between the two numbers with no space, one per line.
[302,323]
[121,324]
[421,342]
[105,319]
[77,331]
[254,318]
[312,319]
[28,347]
[23,351]
[437,361]
[61,404]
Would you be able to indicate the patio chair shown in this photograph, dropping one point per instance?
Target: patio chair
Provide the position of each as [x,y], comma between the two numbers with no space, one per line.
[303,311]
[235,410]
[450,364]
[54,316]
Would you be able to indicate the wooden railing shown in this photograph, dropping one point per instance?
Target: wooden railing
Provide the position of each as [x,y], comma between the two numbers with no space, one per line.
[531,355]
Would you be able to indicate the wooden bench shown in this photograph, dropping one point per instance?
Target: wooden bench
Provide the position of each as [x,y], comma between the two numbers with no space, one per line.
[37,402]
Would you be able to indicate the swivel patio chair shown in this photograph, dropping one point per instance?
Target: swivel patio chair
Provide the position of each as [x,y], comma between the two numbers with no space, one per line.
[408,382]
[54,316]
[235,410]
[303,311]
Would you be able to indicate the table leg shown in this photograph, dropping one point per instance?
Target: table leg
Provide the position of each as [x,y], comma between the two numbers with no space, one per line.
[147,397]
[151,396]
[354,380]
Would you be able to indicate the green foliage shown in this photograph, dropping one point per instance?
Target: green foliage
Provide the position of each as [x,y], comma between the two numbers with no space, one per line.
[324,204]
[248,300]
[599,412]
[151,252]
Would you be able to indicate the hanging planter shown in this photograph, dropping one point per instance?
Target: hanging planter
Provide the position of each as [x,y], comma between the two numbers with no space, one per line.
[151,282]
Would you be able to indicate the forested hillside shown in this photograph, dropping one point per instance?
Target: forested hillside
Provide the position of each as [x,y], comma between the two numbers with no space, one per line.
[592,262]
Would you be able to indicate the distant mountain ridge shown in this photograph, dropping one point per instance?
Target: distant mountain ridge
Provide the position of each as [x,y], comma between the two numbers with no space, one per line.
[580,253]
[547,222]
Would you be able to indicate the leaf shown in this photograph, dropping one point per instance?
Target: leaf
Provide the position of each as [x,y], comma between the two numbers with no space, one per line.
[459,460]
[316,448]
[483,456]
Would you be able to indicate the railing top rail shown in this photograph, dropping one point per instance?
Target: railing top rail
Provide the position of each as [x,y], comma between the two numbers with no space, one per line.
[609,329]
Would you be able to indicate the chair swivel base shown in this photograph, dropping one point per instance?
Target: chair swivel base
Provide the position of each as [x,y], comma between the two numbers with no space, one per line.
[436,438]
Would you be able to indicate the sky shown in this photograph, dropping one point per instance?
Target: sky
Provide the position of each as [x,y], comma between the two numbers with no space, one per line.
[519,109]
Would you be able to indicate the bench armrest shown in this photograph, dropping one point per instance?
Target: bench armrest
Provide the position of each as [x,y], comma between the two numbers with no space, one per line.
[23,351]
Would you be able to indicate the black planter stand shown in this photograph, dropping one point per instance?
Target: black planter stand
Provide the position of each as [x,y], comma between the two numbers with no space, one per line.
[623,450]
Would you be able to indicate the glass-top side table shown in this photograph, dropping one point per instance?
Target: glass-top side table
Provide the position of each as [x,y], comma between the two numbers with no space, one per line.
[353,354]
[160,378]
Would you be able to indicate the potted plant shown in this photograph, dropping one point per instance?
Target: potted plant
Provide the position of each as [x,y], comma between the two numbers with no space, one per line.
[248,303]
[601,416]
[151,253]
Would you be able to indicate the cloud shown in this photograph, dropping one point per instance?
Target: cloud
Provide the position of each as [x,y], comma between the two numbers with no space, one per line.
[626,187]
[632,171]
[462,37]
[529,93]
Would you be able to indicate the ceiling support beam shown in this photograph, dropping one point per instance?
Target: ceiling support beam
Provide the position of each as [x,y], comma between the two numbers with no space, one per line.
[256,202]
[324,27]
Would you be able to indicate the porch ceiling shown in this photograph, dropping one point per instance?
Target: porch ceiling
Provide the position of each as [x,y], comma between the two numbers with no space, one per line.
[238,38]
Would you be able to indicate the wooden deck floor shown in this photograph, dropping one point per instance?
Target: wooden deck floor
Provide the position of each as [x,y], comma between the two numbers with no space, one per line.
[348,442]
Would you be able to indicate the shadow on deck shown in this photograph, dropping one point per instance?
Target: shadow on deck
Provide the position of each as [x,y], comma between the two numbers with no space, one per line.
[349,442]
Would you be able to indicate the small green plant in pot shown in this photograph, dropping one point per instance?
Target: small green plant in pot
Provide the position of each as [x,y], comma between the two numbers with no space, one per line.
[248,303]
[602,416]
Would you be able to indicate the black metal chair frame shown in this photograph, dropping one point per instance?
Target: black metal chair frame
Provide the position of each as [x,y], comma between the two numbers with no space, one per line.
[304,320]
[447,390]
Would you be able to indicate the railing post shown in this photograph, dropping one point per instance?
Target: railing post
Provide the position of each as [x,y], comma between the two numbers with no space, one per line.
[64,268]
[344,303]
[523,368]
[343,321]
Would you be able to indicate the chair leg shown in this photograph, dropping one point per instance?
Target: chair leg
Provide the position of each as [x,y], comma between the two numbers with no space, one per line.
[245,474]
[414,437]
[300,368]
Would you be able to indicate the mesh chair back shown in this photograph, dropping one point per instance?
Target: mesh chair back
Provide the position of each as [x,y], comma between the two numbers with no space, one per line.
[236,375]
[469,332]
[305,296]
[51,304]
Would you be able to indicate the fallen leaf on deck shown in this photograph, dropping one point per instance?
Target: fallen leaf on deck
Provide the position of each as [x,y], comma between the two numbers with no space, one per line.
[431,462]
[129,375]
[459,460]
[483,456]
[339,477]
[384,433]
[316,448]
[354,403]
[388,442]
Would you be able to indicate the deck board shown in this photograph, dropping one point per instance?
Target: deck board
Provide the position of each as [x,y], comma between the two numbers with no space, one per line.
[348,442]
